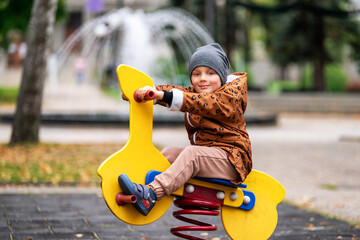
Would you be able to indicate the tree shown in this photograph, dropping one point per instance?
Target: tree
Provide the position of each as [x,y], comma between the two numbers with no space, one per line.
[301,31]
[28,109]
[15,15]
[219,18]
[310,31]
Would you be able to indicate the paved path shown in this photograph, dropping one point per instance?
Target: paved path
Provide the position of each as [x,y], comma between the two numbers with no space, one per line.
[69,215]
[316,158]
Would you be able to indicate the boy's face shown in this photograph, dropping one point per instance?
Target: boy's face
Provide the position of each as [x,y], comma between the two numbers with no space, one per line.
[205,80]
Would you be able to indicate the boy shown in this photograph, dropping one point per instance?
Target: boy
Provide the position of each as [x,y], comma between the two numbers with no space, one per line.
[214,118]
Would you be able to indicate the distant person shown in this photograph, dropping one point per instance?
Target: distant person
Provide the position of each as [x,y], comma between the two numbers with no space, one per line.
[22,51]
[214,110]
[11,54]
[80,68]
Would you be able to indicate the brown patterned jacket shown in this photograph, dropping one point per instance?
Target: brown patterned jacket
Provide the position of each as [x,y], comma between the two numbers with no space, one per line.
[217,119]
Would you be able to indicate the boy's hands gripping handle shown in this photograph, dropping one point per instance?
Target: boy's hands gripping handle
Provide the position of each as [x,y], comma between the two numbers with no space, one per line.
[149,95]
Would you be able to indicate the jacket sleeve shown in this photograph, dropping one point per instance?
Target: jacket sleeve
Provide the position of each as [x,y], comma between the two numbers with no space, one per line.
[227,103]
[177,91]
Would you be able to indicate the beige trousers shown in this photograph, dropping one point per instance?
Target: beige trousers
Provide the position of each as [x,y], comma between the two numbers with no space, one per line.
[192,161]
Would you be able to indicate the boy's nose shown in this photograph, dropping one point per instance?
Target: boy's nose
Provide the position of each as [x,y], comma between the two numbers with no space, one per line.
[203,77]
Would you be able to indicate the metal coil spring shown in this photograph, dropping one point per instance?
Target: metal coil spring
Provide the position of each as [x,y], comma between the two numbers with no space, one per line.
[194,207]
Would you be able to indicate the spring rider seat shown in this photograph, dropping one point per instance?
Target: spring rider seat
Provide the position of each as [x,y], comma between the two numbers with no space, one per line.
[248,210]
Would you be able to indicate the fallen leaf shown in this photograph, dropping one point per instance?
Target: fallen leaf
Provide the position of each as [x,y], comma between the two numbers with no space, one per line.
[296,219]
[309,225]
[130,228]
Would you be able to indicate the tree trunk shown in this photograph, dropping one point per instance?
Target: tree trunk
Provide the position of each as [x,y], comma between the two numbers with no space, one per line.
[210,16]
[28,110]
[247,40]
[283,73]
[319,59]
[229,29]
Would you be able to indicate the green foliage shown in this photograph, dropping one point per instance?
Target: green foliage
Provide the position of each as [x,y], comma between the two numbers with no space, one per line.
[329,186]
[183,75]
[165,68]
[250,81]
[15,16]
[113,92]
[61,11]
[162,68]
[308,31]
[4,4]
[306,79]
[278,86]
[336,78]
[8,94]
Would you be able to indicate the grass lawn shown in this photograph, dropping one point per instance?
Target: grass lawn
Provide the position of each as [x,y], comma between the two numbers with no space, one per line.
[53,163]
[8,95]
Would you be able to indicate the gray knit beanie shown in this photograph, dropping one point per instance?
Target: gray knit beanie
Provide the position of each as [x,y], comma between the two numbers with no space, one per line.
[211,56]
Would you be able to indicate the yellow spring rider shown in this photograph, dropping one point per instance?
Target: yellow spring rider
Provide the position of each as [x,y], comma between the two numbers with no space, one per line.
[248,210]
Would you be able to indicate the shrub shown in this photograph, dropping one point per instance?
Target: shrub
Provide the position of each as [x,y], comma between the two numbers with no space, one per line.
[335,78]
[307,78]
[283,86]
[8,94]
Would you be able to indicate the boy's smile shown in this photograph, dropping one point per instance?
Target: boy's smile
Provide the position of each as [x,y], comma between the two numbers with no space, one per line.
[205,80]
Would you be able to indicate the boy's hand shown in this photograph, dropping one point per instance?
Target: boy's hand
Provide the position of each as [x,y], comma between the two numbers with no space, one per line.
[124,97]
[142,94]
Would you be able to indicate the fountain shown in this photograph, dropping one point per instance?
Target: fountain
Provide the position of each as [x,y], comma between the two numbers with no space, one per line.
[134,38]
[151,42]
[146,41]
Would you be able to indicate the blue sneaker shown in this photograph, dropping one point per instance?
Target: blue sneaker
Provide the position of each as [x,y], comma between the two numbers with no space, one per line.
[145,196]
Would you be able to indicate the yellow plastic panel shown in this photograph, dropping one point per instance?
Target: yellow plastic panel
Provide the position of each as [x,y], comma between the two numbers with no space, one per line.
[138,156]
[260,222]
